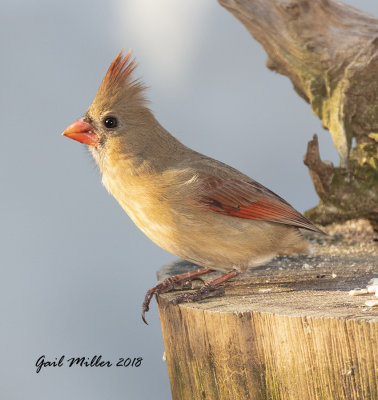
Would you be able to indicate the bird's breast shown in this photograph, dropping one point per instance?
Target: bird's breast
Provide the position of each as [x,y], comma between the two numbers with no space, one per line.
[145,202]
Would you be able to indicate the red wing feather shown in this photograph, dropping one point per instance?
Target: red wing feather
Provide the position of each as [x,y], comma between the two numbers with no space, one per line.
[250,200]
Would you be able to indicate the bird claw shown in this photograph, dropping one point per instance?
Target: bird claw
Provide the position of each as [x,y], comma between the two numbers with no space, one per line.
[182,281]
[144,317]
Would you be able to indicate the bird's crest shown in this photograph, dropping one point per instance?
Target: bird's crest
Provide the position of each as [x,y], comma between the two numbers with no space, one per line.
[119,78]
[120,70]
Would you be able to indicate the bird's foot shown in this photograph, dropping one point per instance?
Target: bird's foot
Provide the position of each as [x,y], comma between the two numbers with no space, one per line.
[211,289]
[200,294]
[181,281]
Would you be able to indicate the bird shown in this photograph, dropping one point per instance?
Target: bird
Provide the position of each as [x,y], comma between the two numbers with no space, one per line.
[195,207]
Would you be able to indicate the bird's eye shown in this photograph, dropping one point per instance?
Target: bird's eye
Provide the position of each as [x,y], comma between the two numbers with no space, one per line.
[110,122]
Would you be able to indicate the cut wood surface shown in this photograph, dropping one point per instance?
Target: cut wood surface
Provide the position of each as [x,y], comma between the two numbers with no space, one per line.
[287,330]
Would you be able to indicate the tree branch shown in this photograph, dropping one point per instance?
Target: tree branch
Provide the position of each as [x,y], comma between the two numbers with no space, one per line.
[329,51]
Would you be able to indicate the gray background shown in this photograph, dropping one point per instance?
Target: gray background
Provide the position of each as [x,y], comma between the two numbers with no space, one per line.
[74,269]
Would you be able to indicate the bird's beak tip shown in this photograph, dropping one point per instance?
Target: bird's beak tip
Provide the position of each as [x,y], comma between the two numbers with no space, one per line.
[82,132]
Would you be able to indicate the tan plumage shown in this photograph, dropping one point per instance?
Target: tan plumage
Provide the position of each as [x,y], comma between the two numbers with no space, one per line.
[191,205]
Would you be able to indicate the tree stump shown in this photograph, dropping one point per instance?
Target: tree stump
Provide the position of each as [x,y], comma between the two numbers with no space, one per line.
[287,330]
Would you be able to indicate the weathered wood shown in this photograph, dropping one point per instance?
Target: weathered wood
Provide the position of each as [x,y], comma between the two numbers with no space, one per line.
[288,330]
[329,50]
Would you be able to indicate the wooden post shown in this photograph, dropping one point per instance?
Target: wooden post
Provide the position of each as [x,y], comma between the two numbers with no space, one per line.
[288,330]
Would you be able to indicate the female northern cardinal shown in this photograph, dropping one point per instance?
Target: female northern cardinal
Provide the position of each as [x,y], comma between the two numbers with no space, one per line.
[191,205]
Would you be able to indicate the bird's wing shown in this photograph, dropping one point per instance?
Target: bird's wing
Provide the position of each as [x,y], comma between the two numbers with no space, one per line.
[248,199]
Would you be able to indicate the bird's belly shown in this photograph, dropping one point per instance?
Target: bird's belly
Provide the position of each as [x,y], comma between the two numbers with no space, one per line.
[221,243]
[210,239]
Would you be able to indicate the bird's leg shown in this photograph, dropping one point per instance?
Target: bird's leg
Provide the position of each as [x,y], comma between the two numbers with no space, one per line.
[211,289]
[171,283]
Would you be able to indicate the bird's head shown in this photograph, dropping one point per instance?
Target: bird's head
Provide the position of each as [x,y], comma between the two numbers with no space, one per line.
[118,113]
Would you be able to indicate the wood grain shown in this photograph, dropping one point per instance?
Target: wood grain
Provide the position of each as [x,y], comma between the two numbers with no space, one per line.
[288,330]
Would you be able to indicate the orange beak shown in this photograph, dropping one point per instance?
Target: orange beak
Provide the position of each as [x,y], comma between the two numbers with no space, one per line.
[82,132]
